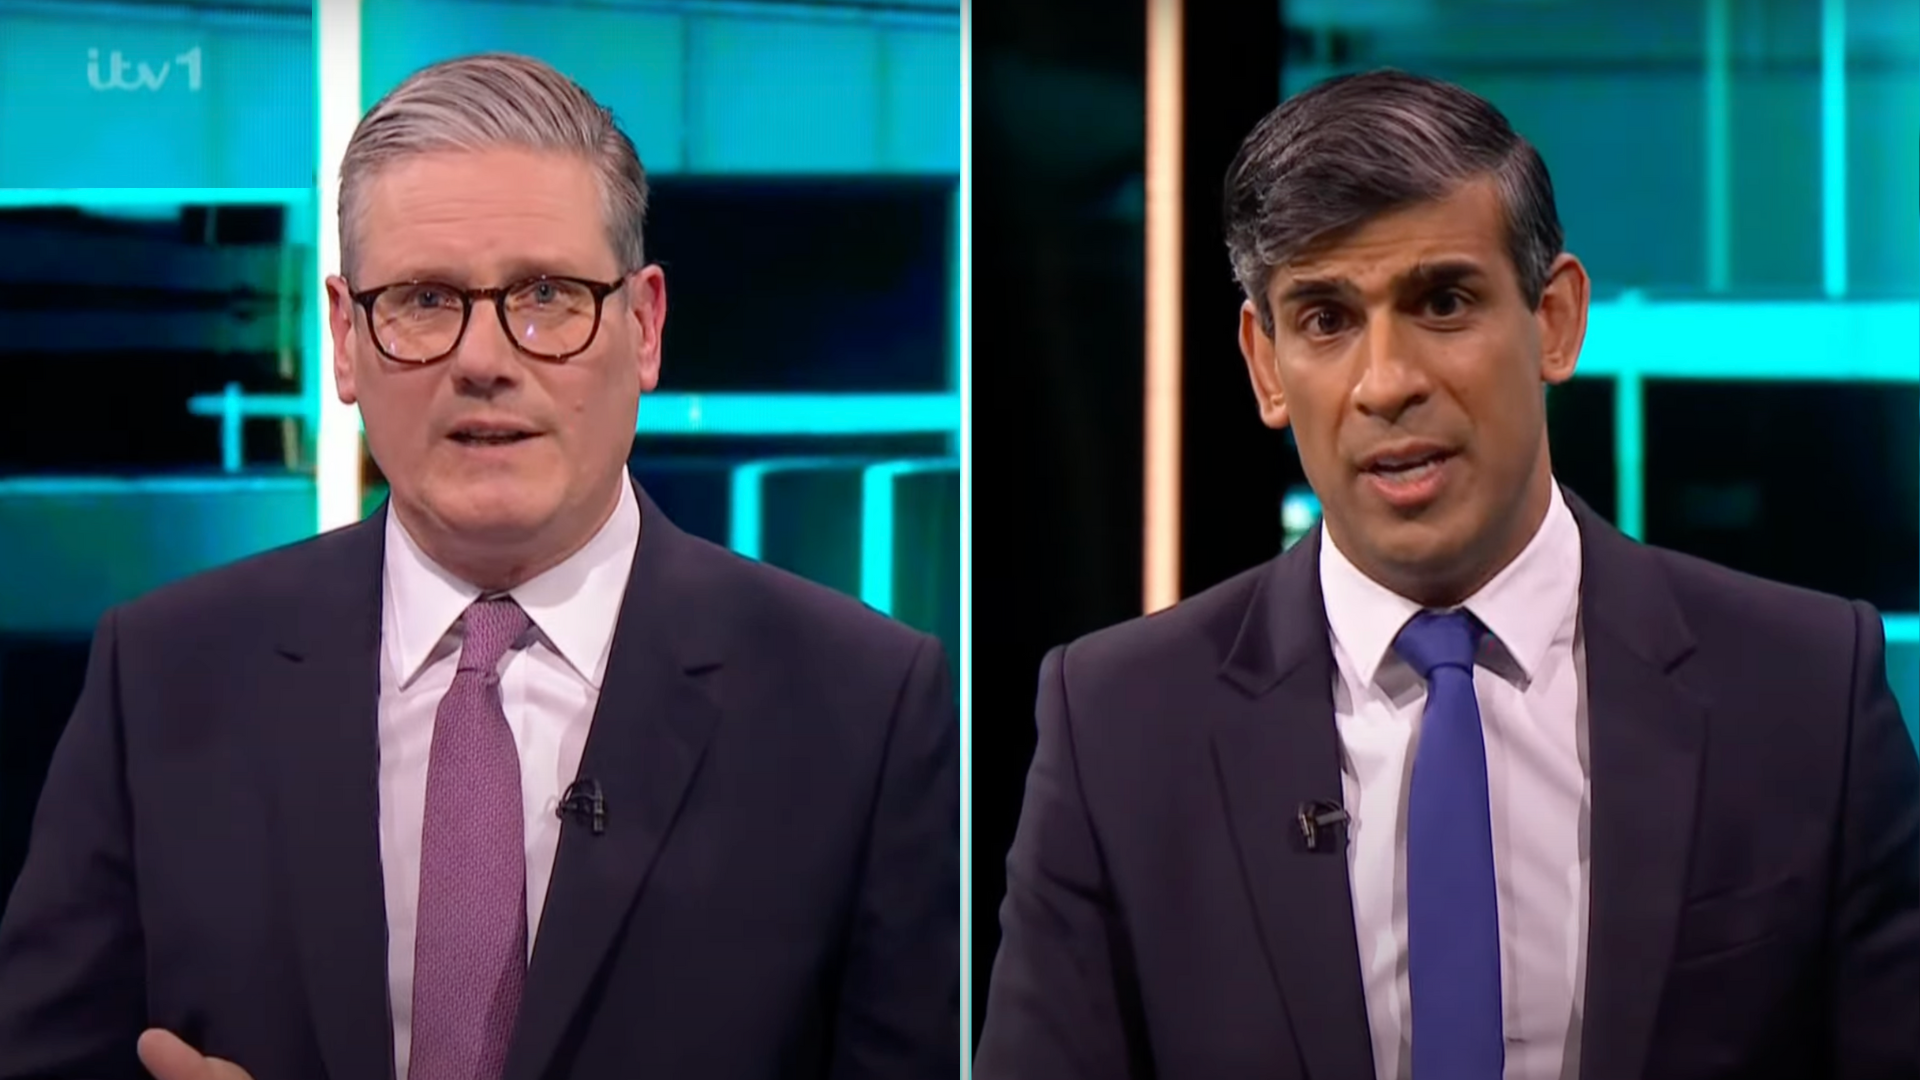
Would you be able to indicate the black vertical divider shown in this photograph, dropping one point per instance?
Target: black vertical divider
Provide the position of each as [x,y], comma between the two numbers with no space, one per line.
[1234,470]
[1058,153]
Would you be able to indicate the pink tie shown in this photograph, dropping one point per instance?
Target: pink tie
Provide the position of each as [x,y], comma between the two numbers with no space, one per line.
[470,952]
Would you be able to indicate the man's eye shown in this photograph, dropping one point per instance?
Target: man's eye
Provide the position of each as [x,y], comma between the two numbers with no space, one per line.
[1446,303]
[1324,322]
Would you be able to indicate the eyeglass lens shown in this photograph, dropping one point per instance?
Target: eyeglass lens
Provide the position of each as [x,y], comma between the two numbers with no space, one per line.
[422,321]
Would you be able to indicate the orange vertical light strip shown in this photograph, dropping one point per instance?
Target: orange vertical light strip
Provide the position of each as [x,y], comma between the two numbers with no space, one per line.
[1165,102]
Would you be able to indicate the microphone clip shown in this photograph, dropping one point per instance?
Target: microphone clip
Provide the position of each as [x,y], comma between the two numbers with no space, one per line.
[1318,821]
[584,804]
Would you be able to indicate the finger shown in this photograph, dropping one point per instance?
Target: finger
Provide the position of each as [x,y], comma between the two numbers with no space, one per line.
[167,1058]
[218,1069]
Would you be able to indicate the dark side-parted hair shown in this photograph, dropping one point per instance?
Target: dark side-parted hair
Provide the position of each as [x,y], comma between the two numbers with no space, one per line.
[1349,149]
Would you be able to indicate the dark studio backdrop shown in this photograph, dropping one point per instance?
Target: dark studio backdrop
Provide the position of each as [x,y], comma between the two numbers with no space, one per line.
[1739,177]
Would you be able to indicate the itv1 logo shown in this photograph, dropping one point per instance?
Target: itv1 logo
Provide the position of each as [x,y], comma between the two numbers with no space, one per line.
[143,76]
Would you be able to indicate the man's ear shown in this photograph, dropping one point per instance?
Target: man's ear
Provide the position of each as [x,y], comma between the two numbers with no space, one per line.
[340,327]
[647,305]
[1562,319]
[1256,346]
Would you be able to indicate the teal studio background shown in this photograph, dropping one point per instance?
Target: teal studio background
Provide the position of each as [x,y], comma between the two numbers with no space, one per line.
[164,229]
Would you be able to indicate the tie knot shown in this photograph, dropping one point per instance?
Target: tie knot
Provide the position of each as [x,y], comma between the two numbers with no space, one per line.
[492,626]
[1437,639]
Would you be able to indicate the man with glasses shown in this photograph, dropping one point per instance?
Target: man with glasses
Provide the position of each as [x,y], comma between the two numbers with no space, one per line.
[514,778]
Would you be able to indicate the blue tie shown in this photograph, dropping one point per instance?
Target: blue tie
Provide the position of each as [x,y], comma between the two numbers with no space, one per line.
[1453,925]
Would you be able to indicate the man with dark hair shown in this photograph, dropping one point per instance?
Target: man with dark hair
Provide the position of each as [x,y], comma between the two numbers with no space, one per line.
[1466,784]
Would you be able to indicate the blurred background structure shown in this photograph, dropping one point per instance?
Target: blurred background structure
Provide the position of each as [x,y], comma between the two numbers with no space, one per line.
[165,218]
[1739,176]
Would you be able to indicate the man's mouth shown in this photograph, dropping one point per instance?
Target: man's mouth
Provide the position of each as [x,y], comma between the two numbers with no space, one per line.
[1407,466]
[489,436]
[1407,472]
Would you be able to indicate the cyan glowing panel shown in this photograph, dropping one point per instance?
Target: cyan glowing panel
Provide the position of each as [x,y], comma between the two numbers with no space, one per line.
[707,414]
[1875,341]
[167,199]
[1629,453]
[124,95]
[798,414]
[783,95]
[716,88]
[76,546]
[632,61]
[1833,146]
[920,128]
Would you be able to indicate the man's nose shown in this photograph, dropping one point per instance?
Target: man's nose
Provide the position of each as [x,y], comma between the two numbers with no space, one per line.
[486,356]
[1391,378]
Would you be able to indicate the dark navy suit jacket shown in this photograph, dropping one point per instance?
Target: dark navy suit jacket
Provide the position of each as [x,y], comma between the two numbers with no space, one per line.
[1755,841]
[775,894]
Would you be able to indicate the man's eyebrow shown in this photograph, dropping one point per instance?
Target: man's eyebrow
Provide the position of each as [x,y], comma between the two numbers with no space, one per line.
[1422,277]
[1302,290]
[517,270]
[1427,276]
[434,272]
[521,269]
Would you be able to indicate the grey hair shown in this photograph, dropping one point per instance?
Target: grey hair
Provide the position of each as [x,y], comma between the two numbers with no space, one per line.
[489,101]
[1349,149]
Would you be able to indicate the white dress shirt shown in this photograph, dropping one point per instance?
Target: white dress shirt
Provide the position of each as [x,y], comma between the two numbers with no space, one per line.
[1531,687]
[548,691]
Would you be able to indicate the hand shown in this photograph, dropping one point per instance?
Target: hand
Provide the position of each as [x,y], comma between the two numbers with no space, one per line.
[167,1058]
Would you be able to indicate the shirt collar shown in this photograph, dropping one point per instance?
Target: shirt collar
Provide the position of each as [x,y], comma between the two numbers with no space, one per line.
[574,605]
[1526,606]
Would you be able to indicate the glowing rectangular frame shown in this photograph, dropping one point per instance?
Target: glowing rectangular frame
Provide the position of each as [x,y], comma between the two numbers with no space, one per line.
[697,414]
[1632,341]
[799,414]
[148,198]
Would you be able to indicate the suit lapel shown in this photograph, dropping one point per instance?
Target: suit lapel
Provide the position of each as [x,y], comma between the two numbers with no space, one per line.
[649,733]
[1645,745]
[322,730]
[1276,747]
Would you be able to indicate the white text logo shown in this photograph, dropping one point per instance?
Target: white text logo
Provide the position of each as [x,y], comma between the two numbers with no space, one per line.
[143,76]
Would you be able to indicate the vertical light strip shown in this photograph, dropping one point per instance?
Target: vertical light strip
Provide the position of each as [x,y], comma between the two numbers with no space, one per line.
[746,501]
[1833,146]
[1630,454]
[1719,186]
[963,346]
[337,438]
[1165,101]
[878,529]
[877,534]
[957,302]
